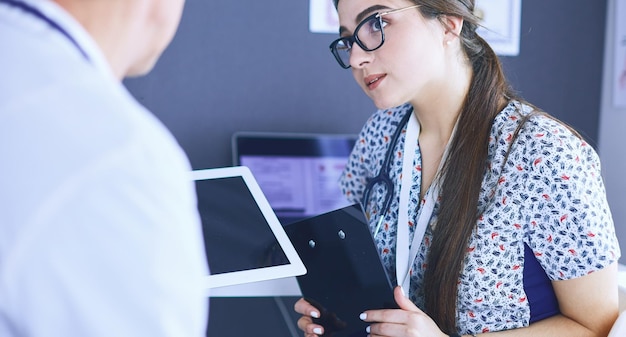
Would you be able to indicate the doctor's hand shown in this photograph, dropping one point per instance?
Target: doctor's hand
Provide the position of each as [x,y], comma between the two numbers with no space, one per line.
[408,321]
[305,323]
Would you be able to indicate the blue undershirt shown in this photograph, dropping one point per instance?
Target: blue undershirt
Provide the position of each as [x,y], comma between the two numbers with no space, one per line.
[538,288]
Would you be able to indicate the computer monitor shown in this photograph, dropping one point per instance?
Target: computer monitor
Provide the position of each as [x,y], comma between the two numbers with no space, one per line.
[298,172]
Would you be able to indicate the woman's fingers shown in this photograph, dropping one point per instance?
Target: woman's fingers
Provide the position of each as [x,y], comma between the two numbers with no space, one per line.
[305,308]
[305,323]
[407,309]
[407,321]
[310,329]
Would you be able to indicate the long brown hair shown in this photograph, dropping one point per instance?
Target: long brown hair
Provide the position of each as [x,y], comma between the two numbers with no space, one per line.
[466,163]
[464,169]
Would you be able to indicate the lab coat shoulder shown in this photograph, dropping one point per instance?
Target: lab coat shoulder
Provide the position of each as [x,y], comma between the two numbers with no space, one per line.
[99,187]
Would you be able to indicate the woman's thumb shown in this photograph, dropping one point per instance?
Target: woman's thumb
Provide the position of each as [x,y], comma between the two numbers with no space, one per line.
[403,301]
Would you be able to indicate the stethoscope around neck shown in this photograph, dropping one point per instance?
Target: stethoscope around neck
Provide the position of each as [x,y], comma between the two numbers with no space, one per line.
[406,250]
[383,177]
[38,14]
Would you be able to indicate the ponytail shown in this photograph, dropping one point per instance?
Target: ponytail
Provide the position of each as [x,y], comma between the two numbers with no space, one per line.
[463,173]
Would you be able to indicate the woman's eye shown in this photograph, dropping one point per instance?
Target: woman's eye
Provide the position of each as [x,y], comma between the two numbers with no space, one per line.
[344,45]
[377,25]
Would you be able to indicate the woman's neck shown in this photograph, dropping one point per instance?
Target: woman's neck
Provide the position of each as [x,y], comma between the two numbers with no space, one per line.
[438,113]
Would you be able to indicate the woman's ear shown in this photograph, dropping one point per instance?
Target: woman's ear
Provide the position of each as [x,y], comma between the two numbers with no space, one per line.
[453,26]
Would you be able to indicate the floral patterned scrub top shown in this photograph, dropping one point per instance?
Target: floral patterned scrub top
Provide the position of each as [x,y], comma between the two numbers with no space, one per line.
[549,197]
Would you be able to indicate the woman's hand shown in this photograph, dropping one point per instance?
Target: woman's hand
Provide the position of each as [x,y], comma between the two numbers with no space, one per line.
[408,321]
[305,323]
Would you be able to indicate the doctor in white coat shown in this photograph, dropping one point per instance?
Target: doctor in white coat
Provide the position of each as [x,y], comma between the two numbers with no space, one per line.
[99,231]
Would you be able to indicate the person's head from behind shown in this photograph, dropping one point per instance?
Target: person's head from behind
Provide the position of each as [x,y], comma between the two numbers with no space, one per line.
[132,33]
[161,25]
[417,45]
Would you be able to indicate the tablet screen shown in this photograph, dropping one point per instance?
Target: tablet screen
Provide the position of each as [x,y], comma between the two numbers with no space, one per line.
[244,241]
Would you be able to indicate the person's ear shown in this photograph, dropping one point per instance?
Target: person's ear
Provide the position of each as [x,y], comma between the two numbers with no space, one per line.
[453,26]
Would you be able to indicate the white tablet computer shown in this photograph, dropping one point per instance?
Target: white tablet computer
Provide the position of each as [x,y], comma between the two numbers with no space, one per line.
[244,241]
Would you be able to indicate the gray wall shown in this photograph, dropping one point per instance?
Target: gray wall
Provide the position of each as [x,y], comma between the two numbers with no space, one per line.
[248,65]
[253,65]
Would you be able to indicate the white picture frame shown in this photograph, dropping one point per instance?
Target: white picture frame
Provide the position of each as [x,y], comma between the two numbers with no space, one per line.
[501,24]
[619,65]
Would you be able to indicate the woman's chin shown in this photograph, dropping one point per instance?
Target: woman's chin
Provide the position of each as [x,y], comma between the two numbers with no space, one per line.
[383,105]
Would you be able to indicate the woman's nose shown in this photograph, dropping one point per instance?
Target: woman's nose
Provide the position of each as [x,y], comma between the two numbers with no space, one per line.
[359,57]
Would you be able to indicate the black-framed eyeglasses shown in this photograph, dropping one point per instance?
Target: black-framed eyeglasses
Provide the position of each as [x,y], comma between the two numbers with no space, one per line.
[369,35]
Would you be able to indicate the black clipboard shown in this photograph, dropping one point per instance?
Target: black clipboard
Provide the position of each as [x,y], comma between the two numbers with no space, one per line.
[345,275]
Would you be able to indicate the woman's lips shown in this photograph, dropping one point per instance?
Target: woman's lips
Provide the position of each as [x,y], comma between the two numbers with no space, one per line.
[373,81]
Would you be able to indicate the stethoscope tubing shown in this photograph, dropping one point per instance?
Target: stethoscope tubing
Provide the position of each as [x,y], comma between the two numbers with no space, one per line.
[383,174]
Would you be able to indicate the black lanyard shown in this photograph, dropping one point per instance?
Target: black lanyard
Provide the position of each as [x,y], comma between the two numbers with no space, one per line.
[38,14]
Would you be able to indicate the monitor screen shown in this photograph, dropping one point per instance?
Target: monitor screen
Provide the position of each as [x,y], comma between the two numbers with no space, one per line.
[298,173]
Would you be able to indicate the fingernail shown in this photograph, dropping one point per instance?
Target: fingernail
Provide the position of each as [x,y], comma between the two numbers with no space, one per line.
[367,329]
[403,292]
[363,316]
[317,331]
[314,314]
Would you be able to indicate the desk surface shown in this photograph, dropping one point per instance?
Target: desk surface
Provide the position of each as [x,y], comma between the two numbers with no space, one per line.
[289,287]
[279,287]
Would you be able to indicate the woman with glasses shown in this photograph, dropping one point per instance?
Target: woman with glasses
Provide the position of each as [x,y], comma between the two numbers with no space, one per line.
[489,214]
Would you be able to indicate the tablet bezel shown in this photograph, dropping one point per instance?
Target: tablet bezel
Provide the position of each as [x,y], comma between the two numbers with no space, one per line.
[294,267]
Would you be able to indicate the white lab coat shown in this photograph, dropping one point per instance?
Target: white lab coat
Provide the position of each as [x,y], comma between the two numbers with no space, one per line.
[99,232]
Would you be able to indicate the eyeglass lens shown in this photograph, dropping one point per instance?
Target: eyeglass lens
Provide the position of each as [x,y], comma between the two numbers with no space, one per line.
[368,35]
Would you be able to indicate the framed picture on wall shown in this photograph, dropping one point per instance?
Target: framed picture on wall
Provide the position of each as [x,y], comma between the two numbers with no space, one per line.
[619,80]
[500,26]
[501,20]
[323,17]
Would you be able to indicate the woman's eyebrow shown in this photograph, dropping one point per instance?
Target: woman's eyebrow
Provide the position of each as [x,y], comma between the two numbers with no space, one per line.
[367,11]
